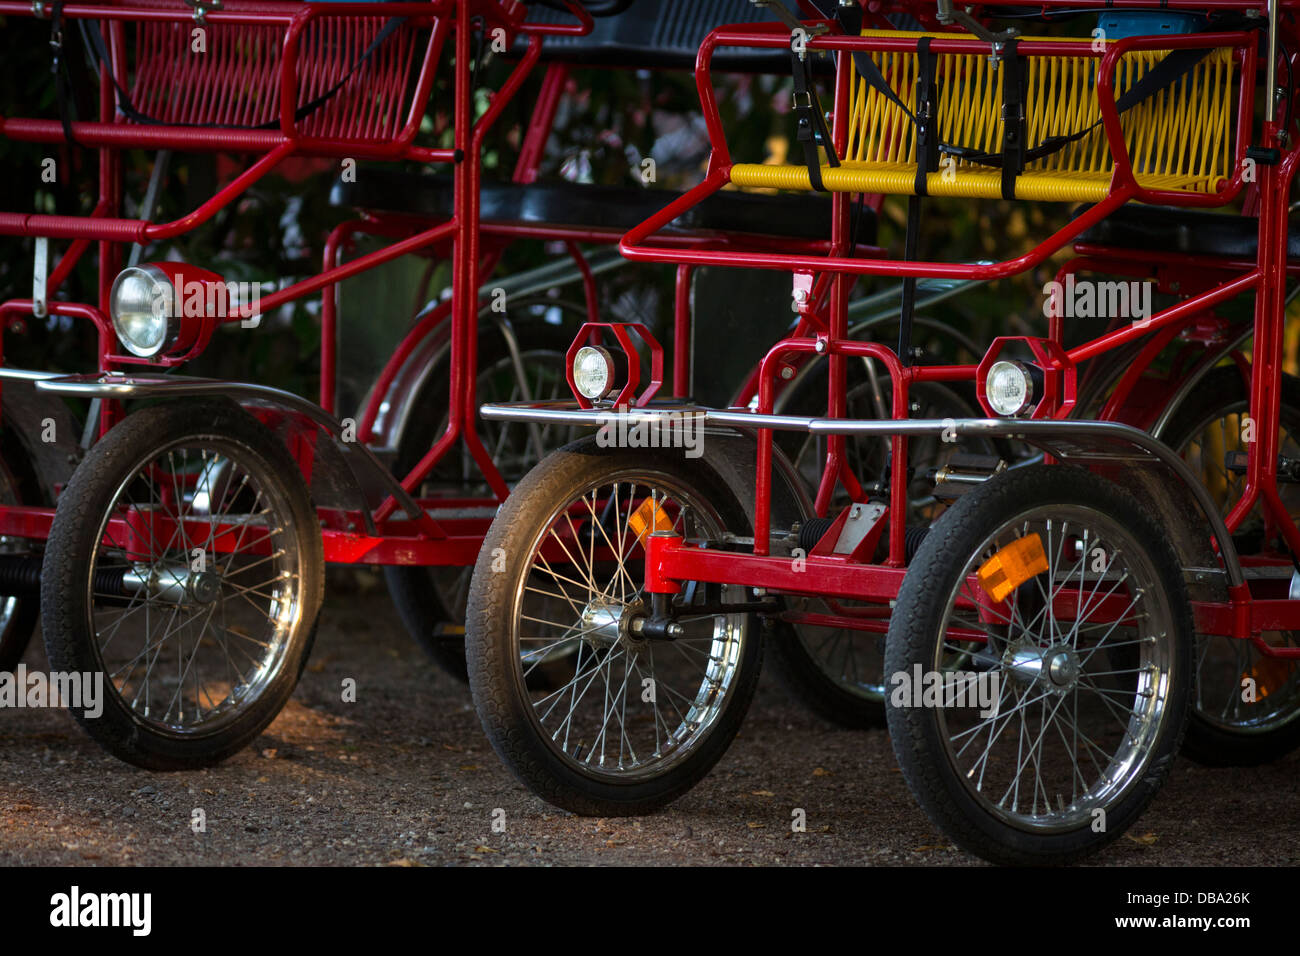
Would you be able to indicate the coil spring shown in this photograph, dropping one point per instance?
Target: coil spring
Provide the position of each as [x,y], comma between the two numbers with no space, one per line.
[812,530]
[21,574]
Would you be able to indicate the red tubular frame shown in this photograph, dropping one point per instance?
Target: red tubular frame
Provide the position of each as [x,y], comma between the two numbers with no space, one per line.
[423,541]
[670,561]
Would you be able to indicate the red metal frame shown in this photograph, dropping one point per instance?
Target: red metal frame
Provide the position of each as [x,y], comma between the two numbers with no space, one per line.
[822,328]
[475,247]
[669,561]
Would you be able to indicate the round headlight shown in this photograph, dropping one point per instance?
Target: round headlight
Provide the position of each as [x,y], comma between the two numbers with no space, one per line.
[141,307]
[593,372]
[1009,388]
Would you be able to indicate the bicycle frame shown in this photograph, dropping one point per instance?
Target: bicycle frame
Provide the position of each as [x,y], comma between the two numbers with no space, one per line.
[1249,602]
[421,539]
[474,246]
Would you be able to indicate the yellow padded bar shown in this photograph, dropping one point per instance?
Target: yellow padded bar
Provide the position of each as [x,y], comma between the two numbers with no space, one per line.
[1178,139]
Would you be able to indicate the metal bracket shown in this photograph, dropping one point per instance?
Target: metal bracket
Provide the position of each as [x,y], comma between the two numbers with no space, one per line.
[156,176]
[949,16]
[41,277]
[202,8]
[782,13]
[862,518]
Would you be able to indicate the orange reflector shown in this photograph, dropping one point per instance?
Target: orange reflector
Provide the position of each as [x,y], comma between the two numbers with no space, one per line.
[1012,566]
[1270,674]
[649,518]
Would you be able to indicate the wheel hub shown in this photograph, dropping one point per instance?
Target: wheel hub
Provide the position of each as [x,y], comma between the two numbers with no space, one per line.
[204,586]
[1057,667]
[600,624]
[606,623]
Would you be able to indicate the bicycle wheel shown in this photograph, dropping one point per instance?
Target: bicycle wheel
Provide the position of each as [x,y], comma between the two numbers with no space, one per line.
[838,673]
[638,721]
[431,600]
[1230,726]
[1064,603]
[185,566]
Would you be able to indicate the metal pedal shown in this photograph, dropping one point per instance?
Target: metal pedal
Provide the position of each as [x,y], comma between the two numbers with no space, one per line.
[1288,469]
[963,472]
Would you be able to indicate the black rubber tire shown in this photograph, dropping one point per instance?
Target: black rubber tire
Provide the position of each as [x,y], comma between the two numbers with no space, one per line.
[799,674]
[1224,392]
[20,477]
[427,617]
[919,614]
[493,661]
[69,554]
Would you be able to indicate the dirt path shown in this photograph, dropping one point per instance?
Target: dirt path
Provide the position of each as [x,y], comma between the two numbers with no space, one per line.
[404,776]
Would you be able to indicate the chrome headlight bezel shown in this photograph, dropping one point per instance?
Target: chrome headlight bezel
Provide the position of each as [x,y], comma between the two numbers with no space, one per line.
[162,306]
[594,357]
[1023,375]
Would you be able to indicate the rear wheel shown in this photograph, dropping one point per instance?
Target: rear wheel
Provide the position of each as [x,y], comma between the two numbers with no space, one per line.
[184,569]
[1229,725]
[637,721]
[431,600]
[1040,666]
[838,672]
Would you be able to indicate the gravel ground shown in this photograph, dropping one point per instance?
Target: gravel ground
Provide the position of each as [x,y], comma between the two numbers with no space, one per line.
[403,776]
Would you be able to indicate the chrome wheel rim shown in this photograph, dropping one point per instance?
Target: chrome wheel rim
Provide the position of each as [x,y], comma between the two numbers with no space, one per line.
[198,620]
[601,721]
[1080,706]
[1223,664]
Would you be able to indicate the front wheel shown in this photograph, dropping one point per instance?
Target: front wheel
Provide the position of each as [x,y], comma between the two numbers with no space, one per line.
[1040,666]
[183,573]
[637,721]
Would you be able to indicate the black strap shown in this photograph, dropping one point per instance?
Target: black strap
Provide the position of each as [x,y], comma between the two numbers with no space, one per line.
[59,67]
[926,119]
[90,30]
[1165,74]
[868,70]
[1013,118]
[811,130]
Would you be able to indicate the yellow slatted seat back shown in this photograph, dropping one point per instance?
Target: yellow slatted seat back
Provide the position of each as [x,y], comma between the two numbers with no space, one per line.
[1180,138]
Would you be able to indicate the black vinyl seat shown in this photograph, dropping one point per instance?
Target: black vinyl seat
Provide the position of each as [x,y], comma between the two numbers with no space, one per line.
[661,35]
[602,207]
[1187,231]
